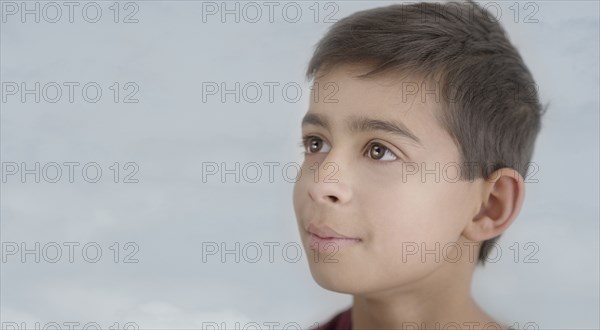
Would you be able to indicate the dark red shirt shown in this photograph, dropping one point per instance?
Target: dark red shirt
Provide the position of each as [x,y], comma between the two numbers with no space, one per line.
[342,321]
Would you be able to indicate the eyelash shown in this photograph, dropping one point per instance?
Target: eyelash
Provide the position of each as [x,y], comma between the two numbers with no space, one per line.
[306,138]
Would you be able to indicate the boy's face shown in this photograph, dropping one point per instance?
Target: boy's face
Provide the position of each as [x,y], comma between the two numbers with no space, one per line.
[375,199]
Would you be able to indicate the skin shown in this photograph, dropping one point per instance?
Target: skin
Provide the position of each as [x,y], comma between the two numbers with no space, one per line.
[364,195]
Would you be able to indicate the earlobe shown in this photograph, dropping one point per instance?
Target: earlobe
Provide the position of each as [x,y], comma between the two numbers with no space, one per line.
[500,204]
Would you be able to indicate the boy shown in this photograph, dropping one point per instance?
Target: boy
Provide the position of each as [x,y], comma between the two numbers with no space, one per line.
[422,121]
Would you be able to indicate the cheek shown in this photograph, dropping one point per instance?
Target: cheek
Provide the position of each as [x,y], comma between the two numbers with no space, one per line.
[413,213]
[303,206]
[405,222]
[299,196]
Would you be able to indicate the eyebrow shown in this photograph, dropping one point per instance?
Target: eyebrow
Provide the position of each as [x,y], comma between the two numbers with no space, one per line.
[364,124]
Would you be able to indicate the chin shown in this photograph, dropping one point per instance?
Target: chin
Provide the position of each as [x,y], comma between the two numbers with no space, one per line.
[336,277]
[335,283]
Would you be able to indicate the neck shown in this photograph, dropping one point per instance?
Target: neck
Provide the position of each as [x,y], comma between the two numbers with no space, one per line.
[441,300]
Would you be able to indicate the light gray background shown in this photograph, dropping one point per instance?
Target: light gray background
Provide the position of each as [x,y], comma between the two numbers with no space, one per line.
[169,53]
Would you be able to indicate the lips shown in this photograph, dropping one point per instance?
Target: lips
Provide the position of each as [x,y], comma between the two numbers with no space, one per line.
[326,232]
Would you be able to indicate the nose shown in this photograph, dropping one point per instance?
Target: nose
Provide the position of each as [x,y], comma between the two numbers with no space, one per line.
[327,185]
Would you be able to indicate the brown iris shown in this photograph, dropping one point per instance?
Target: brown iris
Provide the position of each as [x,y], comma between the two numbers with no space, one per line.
[377,151]
[315,145]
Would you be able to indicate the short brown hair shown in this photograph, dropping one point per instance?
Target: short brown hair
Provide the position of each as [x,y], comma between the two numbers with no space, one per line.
[492,108]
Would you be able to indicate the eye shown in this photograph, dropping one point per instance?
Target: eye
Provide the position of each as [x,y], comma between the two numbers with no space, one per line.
[313,144]
[377,151]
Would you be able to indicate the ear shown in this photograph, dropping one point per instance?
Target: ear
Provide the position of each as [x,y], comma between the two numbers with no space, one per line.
[502,197]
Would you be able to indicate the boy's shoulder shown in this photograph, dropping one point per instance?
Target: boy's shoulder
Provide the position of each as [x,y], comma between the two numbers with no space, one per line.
[341,321]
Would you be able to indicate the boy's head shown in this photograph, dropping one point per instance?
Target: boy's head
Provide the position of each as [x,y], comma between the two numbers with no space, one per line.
[422,121]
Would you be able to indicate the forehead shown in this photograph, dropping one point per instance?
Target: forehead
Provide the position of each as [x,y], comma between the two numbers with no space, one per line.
[340,95]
